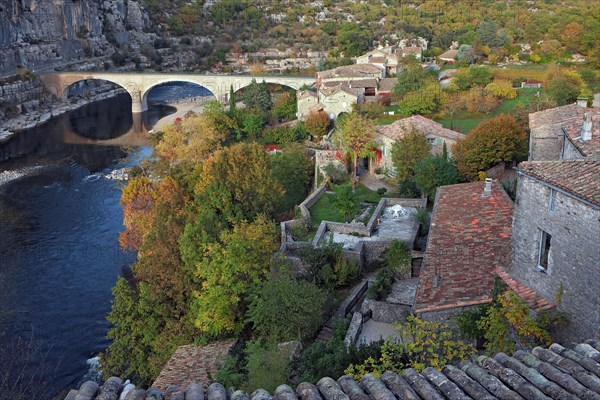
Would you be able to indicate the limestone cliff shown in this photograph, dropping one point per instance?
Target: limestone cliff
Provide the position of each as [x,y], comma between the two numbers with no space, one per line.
[43,34]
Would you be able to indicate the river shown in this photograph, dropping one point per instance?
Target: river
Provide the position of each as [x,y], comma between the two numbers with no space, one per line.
[59,252]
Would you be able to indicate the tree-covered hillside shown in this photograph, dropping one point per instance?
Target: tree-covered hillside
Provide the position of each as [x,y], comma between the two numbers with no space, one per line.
[494,28]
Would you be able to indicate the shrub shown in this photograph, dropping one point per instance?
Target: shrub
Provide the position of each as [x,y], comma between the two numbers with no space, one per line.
[381,191]
[345,201]
[336,174]
[432,345]
[398,258]
[382,285]
[501,88]
[283,135]
[408,189]
[267,367]
[332,358]
[423,218]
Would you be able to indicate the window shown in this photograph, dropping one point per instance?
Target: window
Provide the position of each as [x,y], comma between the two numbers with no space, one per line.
[431,140]
[544,251]
[552,199]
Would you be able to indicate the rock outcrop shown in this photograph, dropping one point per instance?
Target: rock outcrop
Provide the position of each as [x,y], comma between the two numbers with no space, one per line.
[41,35]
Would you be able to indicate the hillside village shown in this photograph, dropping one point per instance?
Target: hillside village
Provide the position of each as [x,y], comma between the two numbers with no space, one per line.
[540,245]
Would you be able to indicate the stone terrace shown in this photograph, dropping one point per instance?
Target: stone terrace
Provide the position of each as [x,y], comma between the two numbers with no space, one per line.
[470,236]
[542,374]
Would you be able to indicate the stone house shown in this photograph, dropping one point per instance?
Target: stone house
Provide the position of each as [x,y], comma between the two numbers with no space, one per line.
[349,73]
[468,242]
[435,133]
[448,57]
[556,239]
[306,101]
[564,133]
[339,99]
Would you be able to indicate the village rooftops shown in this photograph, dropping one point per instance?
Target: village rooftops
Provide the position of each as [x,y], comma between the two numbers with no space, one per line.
[386,85]
[351,71]
[424,125]
[305,94]
[470,236]
[448,55]
[581,178]
[571,119]
[542,374]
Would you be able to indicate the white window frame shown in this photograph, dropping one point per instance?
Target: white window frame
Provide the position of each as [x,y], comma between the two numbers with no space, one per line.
[544,237]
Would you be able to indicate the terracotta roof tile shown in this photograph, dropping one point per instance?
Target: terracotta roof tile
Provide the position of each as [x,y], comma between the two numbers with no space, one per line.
[557,372]
[470,237]
[579,177]
[424,125]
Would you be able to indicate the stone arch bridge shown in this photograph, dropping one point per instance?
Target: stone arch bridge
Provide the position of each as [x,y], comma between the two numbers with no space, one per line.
[138,85]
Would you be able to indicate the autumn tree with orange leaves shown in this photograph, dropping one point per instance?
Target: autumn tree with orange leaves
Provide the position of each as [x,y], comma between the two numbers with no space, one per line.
[498,139]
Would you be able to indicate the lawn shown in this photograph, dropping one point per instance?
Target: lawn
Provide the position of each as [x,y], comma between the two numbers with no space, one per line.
[323,209]
[465,121]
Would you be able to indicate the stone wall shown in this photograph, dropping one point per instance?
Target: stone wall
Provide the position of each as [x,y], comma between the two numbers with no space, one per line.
[310,201]
[545,143]
[573,258]
[444,316]
[570,152]
[382,311]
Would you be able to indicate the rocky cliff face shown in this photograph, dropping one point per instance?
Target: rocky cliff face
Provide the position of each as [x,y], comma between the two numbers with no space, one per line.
[43,34]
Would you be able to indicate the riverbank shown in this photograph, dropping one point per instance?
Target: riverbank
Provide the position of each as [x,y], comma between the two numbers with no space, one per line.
[12,126]
[182,108]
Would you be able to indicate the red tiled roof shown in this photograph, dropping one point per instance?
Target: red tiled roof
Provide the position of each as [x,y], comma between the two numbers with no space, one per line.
[470,237]
[579,177]
[450,54]
[424,125]
[193,363]
[534,300]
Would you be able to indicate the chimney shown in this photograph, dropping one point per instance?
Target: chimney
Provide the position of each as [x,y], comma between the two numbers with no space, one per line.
[487,189]
[586,130]
[582,102]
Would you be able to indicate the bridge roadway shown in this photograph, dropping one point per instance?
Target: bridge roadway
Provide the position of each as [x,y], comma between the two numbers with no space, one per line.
[138,85]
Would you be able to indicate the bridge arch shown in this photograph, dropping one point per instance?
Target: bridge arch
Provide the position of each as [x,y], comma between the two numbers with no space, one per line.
[166,82]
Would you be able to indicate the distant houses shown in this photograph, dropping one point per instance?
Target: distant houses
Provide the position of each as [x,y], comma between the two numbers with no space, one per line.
[448,57]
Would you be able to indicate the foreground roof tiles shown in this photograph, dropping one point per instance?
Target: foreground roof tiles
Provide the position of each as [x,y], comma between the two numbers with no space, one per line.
[579,177]
[542,374]
[470,236]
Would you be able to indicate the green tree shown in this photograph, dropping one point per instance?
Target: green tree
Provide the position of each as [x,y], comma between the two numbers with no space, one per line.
[228,270]
[345,201]
[498,139]
[357,136]
[286,106]
[293,169]
[564,87]
[352,40]
[283,309]
[426,100]
[231,100]
[411,79]
[435,171]
[257,96]
[253,125]
[407,151]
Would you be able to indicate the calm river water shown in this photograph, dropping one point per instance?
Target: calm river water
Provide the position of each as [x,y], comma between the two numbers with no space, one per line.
[59,252]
